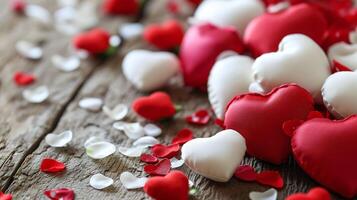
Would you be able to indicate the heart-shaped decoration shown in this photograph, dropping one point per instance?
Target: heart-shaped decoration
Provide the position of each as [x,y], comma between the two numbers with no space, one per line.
[299,60]
[99,181]
[265,32]
[59,140]
[91,103]
[173,186]
[121,7]
[155,107]
[49,165]
[95,41]
[314,194]
[344,53]
[229,77]
[260,118]
[156,70]
[202,155]
[201,46]
[23,79]
[326,150]
[339,93]
[229,13]
[5,196]
[130,181]
[36,95]
[166,36]
[160,169]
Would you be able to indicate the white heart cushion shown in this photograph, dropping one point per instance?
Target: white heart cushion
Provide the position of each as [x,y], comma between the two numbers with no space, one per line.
[344,53]
[298,60]
[229,77]
[340,94]
[216,157]
[148,70]
[237,13]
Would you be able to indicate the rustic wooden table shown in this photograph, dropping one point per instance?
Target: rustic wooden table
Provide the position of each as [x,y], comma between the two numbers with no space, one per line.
[23,126]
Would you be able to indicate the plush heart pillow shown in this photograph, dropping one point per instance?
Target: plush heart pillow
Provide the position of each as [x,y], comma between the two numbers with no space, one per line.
[173,186]
[216,157]
[326,150]
[259,118]
[148,70]
[345,54]
[299,60]
[229,77]
[95,41]
[340,94]
[265,32]
[201,46]
[229,13]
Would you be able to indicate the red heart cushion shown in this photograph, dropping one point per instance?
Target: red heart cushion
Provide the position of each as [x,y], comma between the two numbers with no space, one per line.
[259,119]
[326,150]
[121,7]
[265,32]
[201,46]
[166,36]
[94,41]
[314,194]
[155,107]
[174,186]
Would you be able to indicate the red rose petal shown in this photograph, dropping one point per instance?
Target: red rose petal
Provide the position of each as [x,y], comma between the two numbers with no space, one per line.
[147,158]
[290,126]
[160,169]
[49,165]
[183,136]
[316,193]
[270,178]
[245,173]
[338,67]
[5,196]
[200,117]
[95,41]
[23,79]
[60,194]
[18,6]
[163,151]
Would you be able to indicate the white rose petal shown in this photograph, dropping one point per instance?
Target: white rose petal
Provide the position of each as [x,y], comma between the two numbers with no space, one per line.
[59,140]
[92,104]
[99,150]
[38,13]
[68,64]
[36,95]
[132,130]
[28,50]
[270,194]
[132,151]
[152,130]
[146,141]
[131,30]
[99,181]
[92,140]
[175,163]
[130,181]
[117,113]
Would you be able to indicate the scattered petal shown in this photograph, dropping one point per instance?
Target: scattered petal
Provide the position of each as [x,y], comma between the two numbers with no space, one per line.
[91,103]
[176,163]
[36,95]
[160,169]
[68,64]
[100,150]
[60,194]
[99,181]
[49,165]
[147,158]
[245,173]
[117,113]
[59,140]
[23,79]
[92,140]
[200,117]
[131,30]
[5,196]
[38,13]
[183,136]
[270,178]
[130,181]
[28,50]
[132,130]
[65,3]
[270,194]
[163,151]
[17,6]
[132,151]
[146,141]
[152,130]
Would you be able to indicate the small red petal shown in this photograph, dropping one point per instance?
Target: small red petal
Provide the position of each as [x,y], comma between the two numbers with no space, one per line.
[290,126]
[5,196]
[316,193]
[200,117]
[147,158]
[315,114]
[270,178]
[163,151]
[160,169]
[23,79]
[183,136]
[51,165]
[18,6]
[60,194]
[338,67]
[245,173]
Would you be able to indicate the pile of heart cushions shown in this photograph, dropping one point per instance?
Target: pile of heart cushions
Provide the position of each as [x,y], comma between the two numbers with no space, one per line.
[326,150]
[225,150]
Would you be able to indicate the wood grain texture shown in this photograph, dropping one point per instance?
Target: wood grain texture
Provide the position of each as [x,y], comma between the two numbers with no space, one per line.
[23,125]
